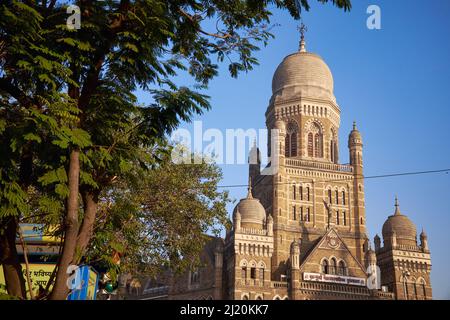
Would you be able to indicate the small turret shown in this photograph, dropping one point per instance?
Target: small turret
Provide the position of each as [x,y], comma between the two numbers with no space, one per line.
[377,242]
[295,255]
[424,241]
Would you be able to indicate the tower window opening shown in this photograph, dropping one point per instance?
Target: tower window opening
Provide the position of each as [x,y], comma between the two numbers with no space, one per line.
[333,266]
[300,191]
[337,217]
[295,192]
[308,212]
[291,139]
[307,194]
[310,145]
[342,269]
[301,213]
[325,268]
[343,198]
[294,213]
[244,273]
[344,218]
[329,196]
[261,274]
[253,273]
[337,197]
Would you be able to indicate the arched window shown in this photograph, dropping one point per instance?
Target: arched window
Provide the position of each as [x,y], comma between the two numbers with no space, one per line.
[329,196]
[424,289]
[195,276]
[295,192]
[261,274]
[325,269]
[310,145]
[332,157]
[244,273]
[307,194]
[337,197]
[294,213]
[337,217]
[342,270]
[308,215]
[333,266]
[253,273]
[291,139]
[301,192]
[259,298]
[344,218]
[318,145]
[301,213]
[315,141]
[245,297]
[343,198]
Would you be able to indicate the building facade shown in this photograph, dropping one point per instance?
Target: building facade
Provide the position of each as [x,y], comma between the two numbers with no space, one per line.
[301,231]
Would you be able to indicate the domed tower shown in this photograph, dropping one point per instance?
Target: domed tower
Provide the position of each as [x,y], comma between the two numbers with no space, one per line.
[248,249]
[310,190]
[405,266]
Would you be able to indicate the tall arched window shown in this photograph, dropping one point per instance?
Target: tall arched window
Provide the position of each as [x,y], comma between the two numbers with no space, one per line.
[307,194]
[310,145]
[332,156]
[424,290]
[291,139]
[342,269]
[300,191]
[337,197]
[329,196]
[344,218]
[333,266]
[337,217]
[325,269]
[315,141]
[295,192]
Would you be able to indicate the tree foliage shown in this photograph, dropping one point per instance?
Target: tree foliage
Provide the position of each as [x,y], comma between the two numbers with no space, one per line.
[70,122]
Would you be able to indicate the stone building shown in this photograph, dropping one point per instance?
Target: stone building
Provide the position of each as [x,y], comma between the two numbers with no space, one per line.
[301,232]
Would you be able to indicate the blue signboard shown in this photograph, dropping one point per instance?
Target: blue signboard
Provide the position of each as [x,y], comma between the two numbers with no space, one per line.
[85,284]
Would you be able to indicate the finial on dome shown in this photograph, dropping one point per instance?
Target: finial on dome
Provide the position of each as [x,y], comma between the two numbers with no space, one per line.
[354,125]
[249,194]
[397,207]
[302,30]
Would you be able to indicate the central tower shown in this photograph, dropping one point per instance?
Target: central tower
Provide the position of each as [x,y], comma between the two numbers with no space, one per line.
[311,193]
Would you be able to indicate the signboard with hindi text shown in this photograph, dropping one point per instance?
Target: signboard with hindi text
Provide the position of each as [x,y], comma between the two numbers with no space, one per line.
[332,278]
[39,275]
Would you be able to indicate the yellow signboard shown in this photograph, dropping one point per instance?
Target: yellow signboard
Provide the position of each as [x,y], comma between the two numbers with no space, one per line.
[39,275]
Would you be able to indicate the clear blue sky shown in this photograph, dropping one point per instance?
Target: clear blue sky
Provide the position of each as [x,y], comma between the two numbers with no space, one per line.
[395,82]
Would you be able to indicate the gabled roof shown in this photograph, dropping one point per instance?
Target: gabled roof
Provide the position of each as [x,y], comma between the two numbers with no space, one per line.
[331,241]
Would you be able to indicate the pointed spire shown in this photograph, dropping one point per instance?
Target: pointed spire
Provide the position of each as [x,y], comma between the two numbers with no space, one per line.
[249,194]
[302,29]
[397,207]
[423,234]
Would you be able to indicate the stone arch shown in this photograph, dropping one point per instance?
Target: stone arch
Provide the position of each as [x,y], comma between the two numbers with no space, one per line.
[252,264]
[243,263]
[245,296]
[261,264]
[276,297]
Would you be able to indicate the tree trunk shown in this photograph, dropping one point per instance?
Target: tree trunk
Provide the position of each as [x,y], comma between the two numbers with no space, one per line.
[12,270]
[61,288]
[90,201]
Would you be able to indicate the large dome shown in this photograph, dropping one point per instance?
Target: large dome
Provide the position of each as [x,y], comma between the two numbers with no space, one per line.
[303,74]
[404,228]
[251,211]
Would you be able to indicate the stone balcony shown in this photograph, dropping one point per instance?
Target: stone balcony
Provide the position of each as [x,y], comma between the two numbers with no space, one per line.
[319,165]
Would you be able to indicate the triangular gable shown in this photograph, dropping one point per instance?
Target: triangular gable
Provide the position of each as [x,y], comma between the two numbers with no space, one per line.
[330,241]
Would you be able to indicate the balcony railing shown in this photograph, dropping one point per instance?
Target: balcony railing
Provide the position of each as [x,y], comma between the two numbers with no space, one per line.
[319,165]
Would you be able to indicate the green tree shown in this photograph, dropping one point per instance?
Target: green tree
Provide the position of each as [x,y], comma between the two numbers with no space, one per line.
[70,122]
[157,219]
